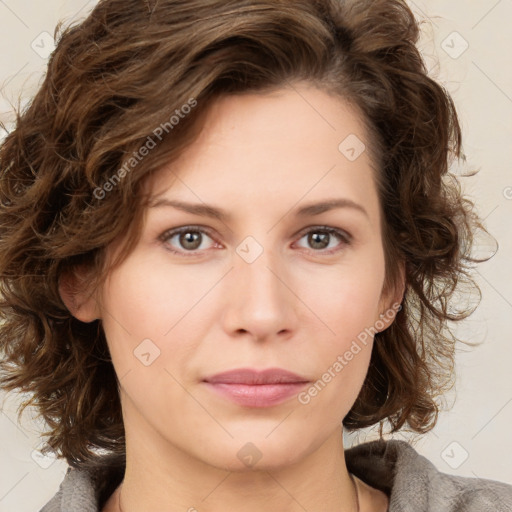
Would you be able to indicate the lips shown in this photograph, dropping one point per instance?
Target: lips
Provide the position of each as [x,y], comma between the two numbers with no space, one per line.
[254,377]
[256,388]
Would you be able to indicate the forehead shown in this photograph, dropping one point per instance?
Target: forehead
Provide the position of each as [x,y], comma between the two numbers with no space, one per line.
[287,145]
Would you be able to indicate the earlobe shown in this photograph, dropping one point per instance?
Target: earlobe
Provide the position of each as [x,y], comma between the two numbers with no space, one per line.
[74,293]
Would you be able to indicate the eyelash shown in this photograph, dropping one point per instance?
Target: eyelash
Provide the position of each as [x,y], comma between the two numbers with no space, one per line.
[344,237]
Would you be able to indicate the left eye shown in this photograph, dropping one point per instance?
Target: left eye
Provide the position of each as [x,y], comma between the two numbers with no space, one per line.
[191,239]
[188,237]
[319,238]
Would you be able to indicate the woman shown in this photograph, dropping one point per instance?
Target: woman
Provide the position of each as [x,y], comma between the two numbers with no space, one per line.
[226,228]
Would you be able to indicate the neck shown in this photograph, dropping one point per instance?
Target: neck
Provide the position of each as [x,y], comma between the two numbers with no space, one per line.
[163,477]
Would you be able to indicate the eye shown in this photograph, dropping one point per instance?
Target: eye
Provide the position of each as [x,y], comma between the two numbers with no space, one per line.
[188,238]
[320,238]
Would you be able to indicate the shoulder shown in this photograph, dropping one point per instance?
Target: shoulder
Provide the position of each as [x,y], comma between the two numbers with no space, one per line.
[85,490]
[410,479]
[76,490]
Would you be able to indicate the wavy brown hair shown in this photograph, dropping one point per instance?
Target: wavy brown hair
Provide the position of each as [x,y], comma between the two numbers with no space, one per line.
[124,71]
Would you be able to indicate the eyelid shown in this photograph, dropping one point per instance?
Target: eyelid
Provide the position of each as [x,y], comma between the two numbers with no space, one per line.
[172,232]
[330,229]
[344,236]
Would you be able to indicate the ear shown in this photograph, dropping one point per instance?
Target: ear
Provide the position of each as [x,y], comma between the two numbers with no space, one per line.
[391,300]
[76,295]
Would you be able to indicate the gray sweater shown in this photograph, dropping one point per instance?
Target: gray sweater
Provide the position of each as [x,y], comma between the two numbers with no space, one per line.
[412,483]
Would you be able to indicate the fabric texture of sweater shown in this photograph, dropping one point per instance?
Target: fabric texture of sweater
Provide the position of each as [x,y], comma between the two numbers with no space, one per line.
[411,481]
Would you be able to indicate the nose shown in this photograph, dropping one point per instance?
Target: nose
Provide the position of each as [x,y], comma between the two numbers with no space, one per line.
[260,300]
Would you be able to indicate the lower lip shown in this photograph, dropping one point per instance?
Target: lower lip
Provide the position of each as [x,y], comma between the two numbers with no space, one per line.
[257,395]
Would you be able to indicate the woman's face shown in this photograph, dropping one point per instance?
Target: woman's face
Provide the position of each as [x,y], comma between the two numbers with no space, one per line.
[265,286]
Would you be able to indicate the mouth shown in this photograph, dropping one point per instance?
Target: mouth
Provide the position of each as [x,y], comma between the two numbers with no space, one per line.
[256,388]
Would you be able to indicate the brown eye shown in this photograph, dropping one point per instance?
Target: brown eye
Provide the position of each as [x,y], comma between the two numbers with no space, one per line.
[320,238]
[186,239]
[190,239]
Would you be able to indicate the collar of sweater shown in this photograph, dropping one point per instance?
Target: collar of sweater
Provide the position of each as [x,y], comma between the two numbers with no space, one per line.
[411,481]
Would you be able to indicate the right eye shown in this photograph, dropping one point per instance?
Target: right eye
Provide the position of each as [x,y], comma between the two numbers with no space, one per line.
[187,239]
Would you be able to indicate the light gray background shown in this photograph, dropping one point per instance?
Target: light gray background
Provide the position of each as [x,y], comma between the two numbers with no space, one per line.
[473,438]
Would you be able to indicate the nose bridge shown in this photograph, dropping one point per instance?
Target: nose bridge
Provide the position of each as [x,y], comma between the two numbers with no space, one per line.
[260,273]
[262,304]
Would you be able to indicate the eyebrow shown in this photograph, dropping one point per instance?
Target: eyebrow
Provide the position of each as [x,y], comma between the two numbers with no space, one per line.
[206,210]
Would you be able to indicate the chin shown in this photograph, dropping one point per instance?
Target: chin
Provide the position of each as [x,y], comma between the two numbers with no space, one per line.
[257,451]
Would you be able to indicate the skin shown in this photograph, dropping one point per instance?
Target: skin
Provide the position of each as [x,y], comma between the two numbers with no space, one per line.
[260,157]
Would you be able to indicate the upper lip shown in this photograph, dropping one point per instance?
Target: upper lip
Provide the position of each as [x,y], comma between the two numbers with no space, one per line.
[254,376]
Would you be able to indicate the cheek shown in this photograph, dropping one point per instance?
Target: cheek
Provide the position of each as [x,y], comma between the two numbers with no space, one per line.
[345,299]
[341,357]
[346,308]
[143,301]
[145,322]
[147,296]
